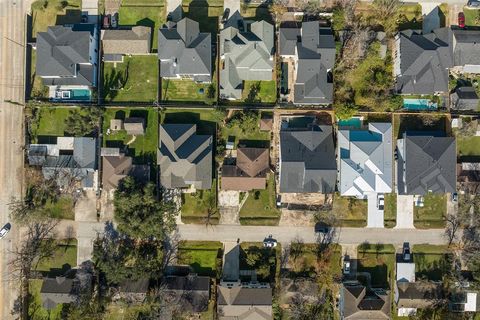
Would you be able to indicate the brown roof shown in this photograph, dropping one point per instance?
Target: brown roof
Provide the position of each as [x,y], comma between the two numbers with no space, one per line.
[131,41]
[249,172]
[420,294]
[134,126]
[360,304]
[266,123]
[114,170]
[469,180]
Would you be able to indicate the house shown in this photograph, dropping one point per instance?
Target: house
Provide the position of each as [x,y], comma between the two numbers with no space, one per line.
[65,289]
[192,292]
[132,291]
[249,172]
[312,49]
[356,302]
[307,160]
[119,42]
[426,163]
[464,300]
[116,166]
[68,161]
[134,126]
[465,46]
[465,98]
[365,160]
[468,177]
[184,157]
[67,60]
[185,52]
[422,61]
[246,53]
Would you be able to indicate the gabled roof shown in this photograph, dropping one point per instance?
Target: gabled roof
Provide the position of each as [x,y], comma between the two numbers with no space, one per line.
[127,41]
[420,294]
[253,161]
[252,165]
[184,157]
[115,169]
[184,50]
[187,283]
[360,304]
[426,164]
[465,46]
[424,60]
[134,286]
[365,160]
[244,296]
[465,98]
[307,160]
[64,51]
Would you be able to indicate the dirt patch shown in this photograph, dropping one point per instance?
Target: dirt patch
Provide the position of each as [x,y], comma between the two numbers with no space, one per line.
[296,218]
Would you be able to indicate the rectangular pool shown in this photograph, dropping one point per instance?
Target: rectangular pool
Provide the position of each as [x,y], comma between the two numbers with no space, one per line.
[419,104]
[72,95]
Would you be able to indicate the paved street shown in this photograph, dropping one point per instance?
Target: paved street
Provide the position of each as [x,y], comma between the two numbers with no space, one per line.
[11,132]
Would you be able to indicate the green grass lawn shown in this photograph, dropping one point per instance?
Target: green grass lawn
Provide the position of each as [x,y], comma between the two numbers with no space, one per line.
[185,90]
[51,121]
[255,12]
[431,262]
[148,16]
[254,138]
[54,14]
[37,89]
[379,261]
[304,265]
[207,15]
[135,79]
[195,206]
[351,212]
[65,253]
[203,256]
[35,308]
[411,16]
[143,2]
[202,118]
[390,212]
[472,17]
[431,215]
[62,209]
[468,146]
[143,148]
[259,91]
[260,207]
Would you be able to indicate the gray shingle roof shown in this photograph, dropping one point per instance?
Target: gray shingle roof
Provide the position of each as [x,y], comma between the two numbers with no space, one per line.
[359,304]
[184,50]
[465,46]
[426,163]
[308,160]
[184,157]
[127,41]
[424,60]
[465,98]
[420,294]
[65,52]
[247,54]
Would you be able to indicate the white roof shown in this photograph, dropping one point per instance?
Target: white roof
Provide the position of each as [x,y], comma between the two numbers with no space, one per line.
[471,304]
[406,271]
[65,143]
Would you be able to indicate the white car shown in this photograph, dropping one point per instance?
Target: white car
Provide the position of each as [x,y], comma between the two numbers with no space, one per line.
[381,202]
[6,228]
[346,265]
[269,242]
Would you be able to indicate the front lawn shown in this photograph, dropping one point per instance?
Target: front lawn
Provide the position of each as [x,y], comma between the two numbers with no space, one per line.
[196,206]
[186,90]
[468,146]
[65,254]
[253,256]
[206,14]
[350,211]
[147,16]
[260,207]
[432,214]
[255,12]
[472,17]
[142,148]
[379,261]
[54,12]
[259,91]
[390,212]
[63,208]
[36,311]
[205,257]
[431,262]
[134,80]
[410,16]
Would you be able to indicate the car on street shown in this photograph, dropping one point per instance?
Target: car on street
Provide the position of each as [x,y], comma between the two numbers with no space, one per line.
[381,202]
[269,242]
[106,21]
[6,228]
[321,227]
[115,20]
[346,264]
[406,255]
[461,20]
[474,4]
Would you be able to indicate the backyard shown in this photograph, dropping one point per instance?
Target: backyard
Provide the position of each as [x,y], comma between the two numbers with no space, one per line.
[390,212]
[379,261]
[188,91]
[205,257]
[244,127]
[260,207]
[151,15]
[468,146]
[49,121]
[36,311]
[259,91]
[350,211]
[204,119]
[432,214]
[64,258]
[135,80]
[143,148]
[197,206]
[412,122]
[431,262]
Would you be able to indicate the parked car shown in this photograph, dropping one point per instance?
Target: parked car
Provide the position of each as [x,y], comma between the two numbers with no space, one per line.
[6,228]
[226,14]
[346,264]
[269,242]
[454,197]
[106,21]
[473,4]
[395,154]
[406,252]
[381,202]
[321,227]
[84,18]
[461,20]
[114,20]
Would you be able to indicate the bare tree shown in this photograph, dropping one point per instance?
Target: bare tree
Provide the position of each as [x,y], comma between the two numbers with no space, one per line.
[453,224]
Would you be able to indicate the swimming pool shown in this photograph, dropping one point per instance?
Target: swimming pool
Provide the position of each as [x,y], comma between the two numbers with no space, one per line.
[419,104]
[73,95]
[352,123]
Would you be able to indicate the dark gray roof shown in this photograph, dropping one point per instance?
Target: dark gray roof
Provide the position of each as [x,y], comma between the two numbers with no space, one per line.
[465,98]
[190,283]
[184,157]
[358,303]
[424,60]
[308,160]
[184,50]
[241,296]
[64,51]
[134,286]
[58,290]
[426,163]
[420,294]
[57,285]
[465,46]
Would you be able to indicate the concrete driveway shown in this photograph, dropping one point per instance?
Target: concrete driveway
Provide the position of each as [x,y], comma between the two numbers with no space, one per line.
[431,16]
[86,207]
[174,8]
[375,216]
[233,5]
[404,212]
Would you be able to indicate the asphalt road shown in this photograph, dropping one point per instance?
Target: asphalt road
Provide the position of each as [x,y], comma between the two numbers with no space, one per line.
[11,133]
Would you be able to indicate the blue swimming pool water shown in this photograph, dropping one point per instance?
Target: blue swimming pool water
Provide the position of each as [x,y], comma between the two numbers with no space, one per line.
[419,104]
[352,123]
[80,94]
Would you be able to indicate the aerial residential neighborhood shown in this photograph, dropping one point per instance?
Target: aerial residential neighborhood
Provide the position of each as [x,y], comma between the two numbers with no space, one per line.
[240,160]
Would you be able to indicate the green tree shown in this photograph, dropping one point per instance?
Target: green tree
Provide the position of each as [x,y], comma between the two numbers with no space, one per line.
[345,111]
[139,214]
[83,122]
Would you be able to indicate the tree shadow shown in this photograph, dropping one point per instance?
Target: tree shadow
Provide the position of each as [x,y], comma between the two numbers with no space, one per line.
[147,22]
[246,143]
[120,115]
[425,123]
[71,16]
[114,81]
[203,126]
[253,94]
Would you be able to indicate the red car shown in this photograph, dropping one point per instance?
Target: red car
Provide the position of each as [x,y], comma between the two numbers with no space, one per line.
[461,20]
[106,21]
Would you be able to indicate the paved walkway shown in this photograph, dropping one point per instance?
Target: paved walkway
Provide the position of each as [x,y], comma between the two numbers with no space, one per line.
[374,216]
[404,212]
